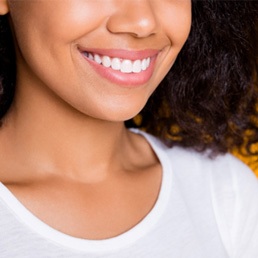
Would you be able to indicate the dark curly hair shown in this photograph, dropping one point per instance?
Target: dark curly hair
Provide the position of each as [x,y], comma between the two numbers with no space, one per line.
[208,100]
[7,66]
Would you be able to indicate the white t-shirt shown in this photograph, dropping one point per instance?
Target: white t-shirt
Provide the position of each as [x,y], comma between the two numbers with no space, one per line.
[207,208]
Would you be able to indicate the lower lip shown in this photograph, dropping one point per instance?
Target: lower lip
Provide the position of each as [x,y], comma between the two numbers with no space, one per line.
[123,79]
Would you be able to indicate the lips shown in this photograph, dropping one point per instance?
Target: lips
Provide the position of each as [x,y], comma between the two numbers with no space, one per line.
[122,67]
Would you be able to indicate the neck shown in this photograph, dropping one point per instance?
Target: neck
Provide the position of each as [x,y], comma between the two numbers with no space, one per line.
[48,134]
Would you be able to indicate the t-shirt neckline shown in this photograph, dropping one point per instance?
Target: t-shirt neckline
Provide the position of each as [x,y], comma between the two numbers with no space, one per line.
[111,244]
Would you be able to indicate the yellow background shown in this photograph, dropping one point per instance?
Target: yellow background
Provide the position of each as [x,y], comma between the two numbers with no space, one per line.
[251,161]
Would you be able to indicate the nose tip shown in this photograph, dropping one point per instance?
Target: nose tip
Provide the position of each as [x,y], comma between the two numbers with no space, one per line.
[136,18]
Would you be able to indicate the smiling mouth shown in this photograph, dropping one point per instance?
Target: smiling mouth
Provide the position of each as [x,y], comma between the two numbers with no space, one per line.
[119,64]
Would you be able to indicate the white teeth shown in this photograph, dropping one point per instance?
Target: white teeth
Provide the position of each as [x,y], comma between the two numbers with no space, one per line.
[118,64]
[126,66]
[106,61]
[148,61]
[144,64]
[137,66]
[97,59]
[90,56]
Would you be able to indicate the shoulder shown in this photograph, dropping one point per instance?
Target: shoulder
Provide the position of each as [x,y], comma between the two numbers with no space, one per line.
[224,187]
[224,178]
[220,167]
[220,176]
[230,188]
[187,161]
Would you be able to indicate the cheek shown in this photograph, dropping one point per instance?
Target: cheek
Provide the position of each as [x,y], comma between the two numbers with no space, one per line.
[45,35]
[176,21]
[61,19]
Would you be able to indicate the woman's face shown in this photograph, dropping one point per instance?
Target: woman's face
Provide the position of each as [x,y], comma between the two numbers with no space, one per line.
[102,57]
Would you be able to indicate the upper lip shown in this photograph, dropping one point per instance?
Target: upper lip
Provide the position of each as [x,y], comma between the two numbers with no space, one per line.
[122,53]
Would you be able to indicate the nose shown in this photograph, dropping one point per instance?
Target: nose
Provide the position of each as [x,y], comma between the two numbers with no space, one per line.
[134,17]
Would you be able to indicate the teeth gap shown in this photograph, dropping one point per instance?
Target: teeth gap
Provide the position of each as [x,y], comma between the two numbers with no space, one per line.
[119,64]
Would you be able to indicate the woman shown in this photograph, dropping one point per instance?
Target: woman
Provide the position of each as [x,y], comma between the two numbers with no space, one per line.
[75,181]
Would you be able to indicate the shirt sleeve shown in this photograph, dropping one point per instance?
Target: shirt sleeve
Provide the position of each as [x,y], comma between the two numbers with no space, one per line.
[235,200]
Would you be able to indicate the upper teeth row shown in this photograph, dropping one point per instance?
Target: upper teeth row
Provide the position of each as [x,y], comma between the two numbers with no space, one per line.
[123,65]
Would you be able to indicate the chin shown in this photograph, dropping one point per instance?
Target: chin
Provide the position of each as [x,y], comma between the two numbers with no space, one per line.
[120,115]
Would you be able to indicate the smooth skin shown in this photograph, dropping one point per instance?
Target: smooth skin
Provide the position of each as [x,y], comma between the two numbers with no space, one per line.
[64,151]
